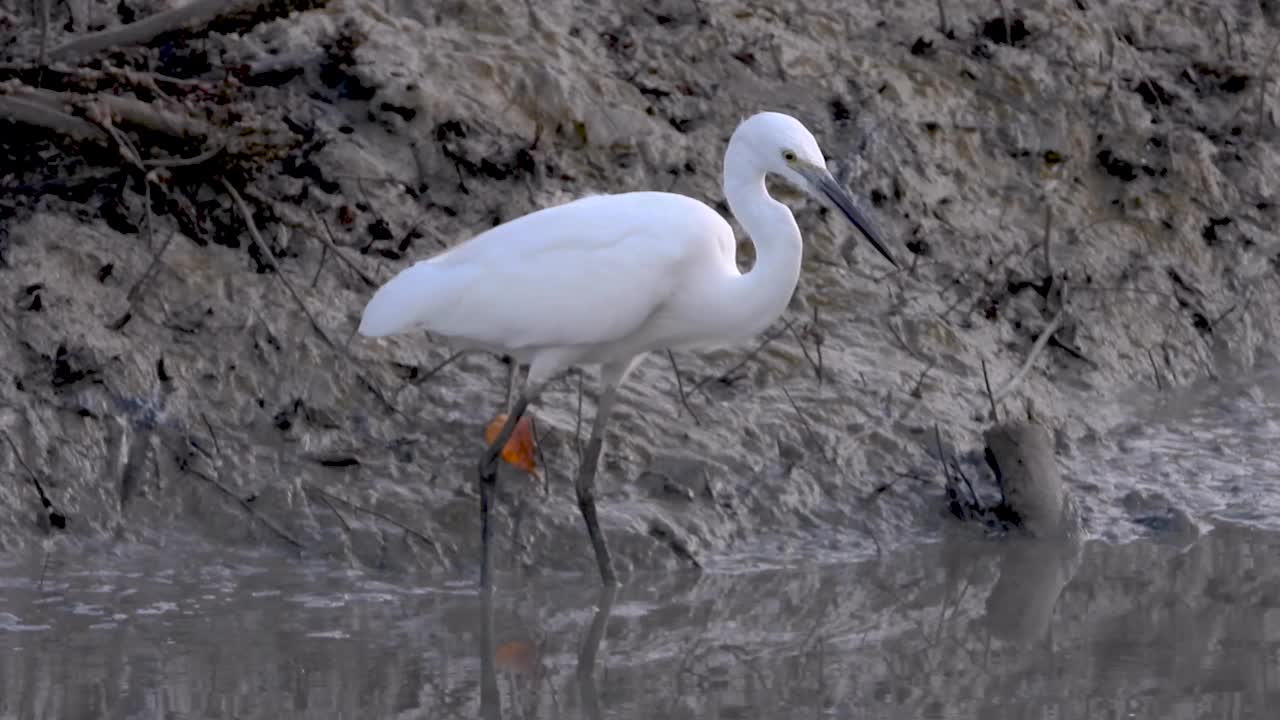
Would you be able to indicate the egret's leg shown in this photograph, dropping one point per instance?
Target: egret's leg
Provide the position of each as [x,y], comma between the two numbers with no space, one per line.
[586,670]
[513,377]
[490,697]
[585,484]
[488,472]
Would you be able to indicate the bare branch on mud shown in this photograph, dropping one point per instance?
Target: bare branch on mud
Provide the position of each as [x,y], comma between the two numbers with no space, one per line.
[135,290]
[1036,349]
[438,367]
[130,111]
[804,421]
[1048,232]
[817,369]
[727,374]
[374,513]
[248,508]
[942,456]
[324,255]
[192,17]
[329,242]
[212,435]
[56,518]
[1155,370]
[916,389]
[684,399]
[897,335]
[336,514]
[256,238]
[265,252]
[33,112]
[986,380]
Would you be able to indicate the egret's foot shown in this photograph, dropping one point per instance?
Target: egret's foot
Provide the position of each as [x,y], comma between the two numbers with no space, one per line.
[520,448]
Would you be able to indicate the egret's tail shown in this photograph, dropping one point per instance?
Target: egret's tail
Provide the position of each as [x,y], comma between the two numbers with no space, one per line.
[404,303]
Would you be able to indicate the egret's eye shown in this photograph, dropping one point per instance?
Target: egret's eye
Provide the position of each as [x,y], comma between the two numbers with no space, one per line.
[788,155]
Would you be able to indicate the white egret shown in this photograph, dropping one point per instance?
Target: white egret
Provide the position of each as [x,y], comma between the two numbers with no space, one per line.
[605,279]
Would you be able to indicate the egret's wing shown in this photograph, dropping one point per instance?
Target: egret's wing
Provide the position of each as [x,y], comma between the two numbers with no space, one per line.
[586,272]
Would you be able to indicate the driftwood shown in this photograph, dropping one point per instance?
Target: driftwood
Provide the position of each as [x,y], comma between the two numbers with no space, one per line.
[1021,456]
[1034,571]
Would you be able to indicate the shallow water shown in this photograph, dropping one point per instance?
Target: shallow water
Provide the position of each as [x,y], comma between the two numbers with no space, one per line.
[1208,449]
[992,630]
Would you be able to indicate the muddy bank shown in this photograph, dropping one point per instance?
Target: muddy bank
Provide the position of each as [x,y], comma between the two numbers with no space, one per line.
[1124,152]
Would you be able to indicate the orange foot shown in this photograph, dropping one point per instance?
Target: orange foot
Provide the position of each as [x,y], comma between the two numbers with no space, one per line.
[520,447]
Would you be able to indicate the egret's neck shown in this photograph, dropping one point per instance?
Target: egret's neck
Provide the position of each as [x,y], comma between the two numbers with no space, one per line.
[760,296]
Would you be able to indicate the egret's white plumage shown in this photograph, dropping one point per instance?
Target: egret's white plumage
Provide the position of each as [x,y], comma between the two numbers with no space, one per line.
[604,279]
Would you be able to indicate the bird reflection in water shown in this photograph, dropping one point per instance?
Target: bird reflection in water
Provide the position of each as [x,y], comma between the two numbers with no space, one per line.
[520,657]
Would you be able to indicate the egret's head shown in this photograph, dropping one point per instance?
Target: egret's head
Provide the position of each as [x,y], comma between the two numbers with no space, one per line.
[784,147]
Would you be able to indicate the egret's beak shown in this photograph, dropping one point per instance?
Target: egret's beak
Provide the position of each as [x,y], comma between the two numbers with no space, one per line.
[827,189]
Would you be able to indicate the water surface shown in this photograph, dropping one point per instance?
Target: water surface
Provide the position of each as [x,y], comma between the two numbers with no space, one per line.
[953,630]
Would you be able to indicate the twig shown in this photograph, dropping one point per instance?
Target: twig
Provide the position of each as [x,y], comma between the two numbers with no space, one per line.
[915,390]
[324,255]
[1155,370]
[1048,231]
[805,422]
[724,376]
[186,162]
[212,435]
[976,505]
[244,504]
[333,246]
[382,516]
[284,279]
[439,366]
[132,296]
[336,514]
[268,257]
[986,380]
[817,342]
[35,480]
[1039,346]
[817,369]
[942,455]
[684,400]
[893,329]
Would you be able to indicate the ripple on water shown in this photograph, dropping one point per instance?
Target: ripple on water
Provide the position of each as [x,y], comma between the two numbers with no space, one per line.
[12,623]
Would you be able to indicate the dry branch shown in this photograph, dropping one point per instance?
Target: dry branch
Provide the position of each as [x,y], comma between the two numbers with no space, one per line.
[684,399]
[29,111]
[256,238]
[248,508]
[97,117]
[370,511]
[55,518]
[193,17]
[1036,349]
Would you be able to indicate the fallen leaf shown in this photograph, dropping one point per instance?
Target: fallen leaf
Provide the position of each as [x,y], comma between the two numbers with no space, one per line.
[517,656]
[520,447]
